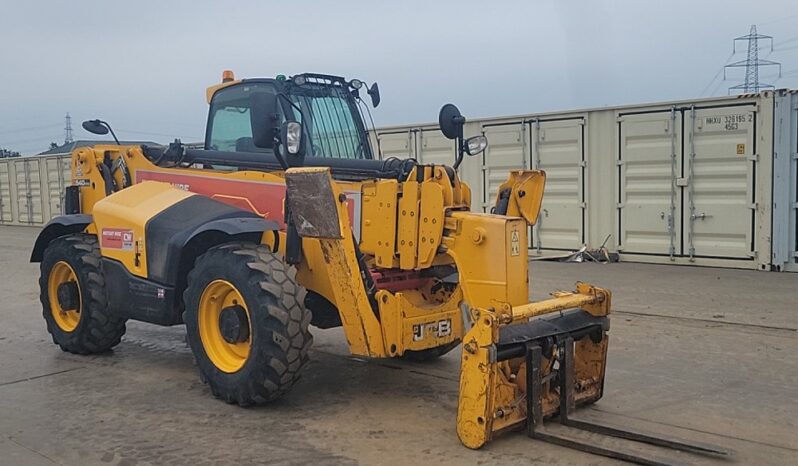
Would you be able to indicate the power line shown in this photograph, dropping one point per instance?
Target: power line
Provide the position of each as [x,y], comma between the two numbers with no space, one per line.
[39,139]
[778,20]
[785,41]
[717,74]
[31,128]
[717,87]
[147,133]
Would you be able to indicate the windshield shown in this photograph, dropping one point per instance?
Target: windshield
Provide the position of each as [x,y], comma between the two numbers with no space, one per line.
[332,124]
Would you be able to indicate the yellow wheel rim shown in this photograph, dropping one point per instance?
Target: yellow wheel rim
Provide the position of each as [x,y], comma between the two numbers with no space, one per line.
[227,357]
[66,319]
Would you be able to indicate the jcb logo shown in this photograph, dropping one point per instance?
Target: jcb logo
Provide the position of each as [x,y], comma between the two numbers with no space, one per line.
[440,329]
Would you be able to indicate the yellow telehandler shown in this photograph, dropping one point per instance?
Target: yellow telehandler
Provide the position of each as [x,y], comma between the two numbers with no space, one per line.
[287,219]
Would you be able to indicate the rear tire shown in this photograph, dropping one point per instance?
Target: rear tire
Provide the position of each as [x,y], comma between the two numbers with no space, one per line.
[261,363]
[81,323]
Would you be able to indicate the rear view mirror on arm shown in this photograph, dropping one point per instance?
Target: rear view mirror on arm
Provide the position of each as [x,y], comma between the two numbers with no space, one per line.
[263,117]
[374,92]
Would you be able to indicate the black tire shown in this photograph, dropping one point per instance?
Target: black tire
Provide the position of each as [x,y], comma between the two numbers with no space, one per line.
[98,329]
[430,353]
[279,337]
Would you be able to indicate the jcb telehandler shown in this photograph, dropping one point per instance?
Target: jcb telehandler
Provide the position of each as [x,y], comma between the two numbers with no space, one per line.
[286,219]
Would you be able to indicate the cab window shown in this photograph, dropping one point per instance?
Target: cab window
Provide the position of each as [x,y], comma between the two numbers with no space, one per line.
[229,128]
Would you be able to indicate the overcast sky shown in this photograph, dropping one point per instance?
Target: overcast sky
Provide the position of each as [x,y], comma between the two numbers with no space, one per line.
[144,65]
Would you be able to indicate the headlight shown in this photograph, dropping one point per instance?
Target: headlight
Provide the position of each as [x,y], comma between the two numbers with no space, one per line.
[476,144]
[299,80]
[356,83]
[293,137]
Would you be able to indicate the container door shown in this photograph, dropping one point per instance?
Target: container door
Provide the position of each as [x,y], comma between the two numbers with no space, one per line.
[435,148]
[557,148]
[720,157]
[5,193]
[792,265]
[792,218]
[29,190]
[785,182]
[56,183]
[649,175]
[400,145]
[507,150]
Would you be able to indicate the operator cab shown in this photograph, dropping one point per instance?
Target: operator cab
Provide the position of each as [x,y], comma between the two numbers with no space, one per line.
[305,120]
[328,108]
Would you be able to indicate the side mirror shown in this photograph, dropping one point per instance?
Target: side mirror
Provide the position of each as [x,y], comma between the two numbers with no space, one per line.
[95,127]
[263,118]
[291,136]
[451,121]
[99,127]
[476,145]
[374,92]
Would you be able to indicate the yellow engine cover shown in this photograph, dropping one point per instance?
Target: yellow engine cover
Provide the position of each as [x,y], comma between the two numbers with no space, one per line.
[121,218]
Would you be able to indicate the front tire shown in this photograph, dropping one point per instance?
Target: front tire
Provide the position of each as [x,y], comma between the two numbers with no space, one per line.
[246,323]
[72,293]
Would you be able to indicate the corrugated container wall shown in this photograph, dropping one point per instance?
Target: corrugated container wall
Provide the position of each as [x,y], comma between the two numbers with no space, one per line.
[32,189]
[686,182]
[785,182]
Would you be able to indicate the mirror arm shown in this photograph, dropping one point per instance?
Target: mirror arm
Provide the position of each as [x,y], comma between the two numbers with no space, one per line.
[112,132]
[460,151]
[278,154]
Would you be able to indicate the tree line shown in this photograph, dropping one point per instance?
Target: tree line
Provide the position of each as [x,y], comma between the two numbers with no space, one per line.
[6,154]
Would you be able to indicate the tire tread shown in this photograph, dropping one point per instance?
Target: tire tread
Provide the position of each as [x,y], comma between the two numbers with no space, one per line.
[276,364]
[104,329]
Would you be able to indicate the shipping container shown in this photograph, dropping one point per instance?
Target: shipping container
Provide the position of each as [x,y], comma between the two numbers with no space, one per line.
[785,182]
[30,198]
[706,181]
[57,178]
[32,189]
[687,182]
[6,214]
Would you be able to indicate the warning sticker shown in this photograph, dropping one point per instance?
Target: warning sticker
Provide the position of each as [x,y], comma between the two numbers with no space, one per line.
[117,238]
[515,244]
[740,149]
